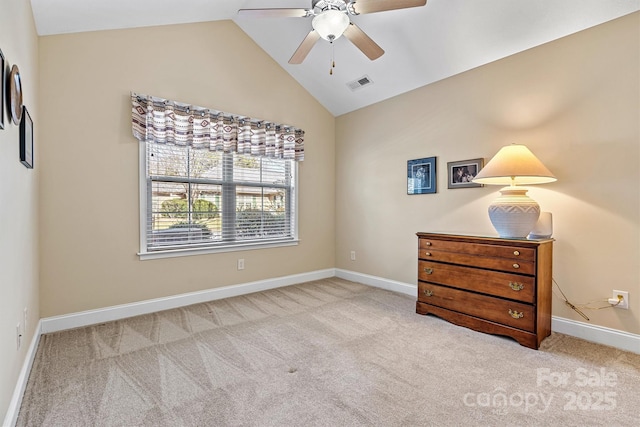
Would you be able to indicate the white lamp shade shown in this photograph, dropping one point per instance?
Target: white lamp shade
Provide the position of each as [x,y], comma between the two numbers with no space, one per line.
[330,24]
[514,165]
[514,214]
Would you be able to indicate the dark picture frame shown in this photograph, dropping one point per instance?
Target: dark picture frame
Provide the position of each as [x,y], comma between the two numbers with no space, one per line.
[421,176]
[26,139]
[3,80]
[461,173]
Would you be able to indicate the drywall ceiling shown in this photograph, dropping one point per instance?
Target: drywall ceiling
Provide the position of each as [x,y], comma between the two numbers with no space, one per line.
[422,45]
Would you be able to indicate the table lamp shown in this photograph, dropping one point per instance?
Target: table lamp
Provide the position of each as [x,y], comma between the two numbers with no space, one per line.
[514,214]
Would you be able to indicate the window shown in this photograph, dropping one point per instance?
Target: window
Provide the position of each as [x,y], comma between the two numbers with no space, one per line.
[213,181]
[197,200]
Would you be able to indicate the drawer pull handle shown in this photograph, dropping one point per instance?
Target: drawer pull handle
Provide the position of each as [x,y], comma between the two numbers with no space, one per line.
[516,253]
[428,270]
[428,293]
[516,265]
[427,243]
[516,286]
[515,314]
[427,254]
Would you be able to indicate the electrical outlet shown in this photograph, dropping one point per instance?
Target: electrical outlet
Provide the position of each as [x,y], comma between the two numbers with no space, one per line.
[241,264]
[18,336]
[624,302]
[353,255]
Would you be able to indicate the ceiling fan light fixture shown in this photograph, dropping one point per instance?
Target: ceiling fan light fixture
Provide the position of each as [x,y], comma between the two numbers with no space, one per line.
[330,24]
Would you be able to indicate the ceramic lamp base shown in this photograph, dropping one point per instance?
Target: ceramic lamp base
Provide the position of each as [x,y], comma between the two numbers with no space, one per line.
[514,214]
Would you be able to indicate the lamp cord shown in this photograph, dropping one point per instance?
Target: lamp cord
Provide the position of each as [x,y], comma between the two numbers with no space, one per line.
[577,308]
[566,301]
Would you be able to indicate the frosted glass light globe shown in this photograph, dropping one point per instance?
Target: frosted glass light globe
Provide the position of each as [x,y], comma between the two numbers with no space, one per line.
[330,24]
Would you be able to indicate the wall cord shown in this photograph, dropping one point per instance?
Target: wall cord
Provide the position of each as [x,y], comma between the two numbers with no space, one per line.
[577,308]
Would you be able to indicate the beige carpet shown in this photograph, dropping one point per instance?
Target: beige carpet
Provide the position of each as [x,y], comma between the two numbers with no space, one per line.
[325,353]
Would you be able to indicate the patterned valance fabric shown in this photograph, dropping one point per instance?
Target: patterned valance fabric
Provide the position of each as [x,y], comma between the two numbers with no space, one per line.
[169,122]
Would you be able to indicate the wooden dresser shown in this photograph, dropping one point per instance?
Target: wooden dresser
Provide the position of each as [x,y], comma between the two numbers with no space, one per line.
[492,285]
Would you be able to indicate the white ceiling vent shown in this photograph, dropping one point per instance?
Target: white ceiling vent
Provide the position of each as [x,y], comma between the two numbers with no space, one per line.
[358,83]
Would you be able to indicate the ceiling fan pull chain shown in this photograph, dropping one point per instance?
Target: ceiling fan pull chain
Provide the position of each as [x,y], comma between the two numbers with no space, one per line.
[333,61]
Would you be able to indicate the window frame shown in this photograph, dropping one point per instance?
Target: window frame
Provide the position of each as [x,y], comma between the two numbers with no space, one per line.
[145,201]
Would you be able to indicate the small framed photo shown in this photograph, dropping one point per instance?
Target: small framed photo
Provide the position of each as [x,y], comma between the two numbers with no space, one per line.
[421,176]
[26,139]
[460,174]
[3,79]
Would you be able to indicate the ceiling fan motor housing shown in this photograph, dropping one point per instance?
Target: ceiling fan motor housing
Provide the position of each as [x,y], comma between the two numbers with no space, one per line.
[320,6]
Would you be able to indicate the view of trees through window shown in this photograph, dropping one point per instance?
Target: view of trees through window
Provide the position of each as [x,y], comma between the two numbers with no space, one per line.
[196,197]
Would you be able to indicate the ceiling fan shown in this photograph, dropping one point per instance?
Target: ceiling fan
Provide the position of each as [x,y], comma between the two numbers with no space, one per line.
[331,20]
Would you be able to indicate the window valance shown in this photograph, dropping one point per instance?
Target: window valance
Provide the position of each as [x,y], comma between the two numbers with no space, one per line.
[169,122]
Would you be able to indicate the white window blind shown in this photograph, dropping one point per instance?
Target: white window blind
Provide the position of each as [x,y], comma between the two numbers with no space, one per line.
[199,199]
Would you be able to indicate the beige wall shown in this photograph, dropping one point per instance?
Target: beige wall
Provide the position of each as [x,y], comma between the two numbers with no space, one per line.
[18,202]
[574,102]
[89,160]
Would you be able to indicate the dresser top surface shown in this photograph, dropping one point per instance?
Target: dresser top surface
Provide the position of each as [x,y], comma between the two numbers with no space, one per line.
[480,238]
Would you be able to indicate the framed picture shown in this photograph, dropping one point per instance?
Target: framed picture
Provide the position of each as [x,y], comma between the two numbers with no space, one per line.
[421,176]
[3,79]
[460,174]
[26,139]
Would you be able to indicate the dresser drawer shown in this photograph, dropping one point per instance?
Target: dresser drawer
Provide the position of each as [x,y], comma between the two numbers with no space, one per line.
[503,264]
[511,313]
[480,249]
[513,286]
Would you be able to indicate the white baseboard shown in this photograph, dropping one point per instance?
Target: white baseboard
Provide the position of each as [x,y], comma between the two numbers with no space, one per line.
[107,314]
[597,334]
[11,417]
[378,282]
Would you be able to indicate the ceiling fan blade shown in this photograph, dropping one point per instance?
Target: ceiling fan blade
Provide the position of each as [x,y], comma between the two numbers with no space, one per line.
[273,13]
[305,47]
[371,6]
[363,42]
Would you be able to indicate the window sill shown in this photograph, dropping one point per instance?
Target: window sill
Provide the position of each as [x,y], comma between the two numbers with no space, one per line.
[172,253]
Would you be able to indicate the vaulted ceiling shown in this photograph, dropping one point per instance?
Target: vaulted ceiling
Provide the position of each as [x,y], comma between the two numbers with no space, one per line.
[422,44]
